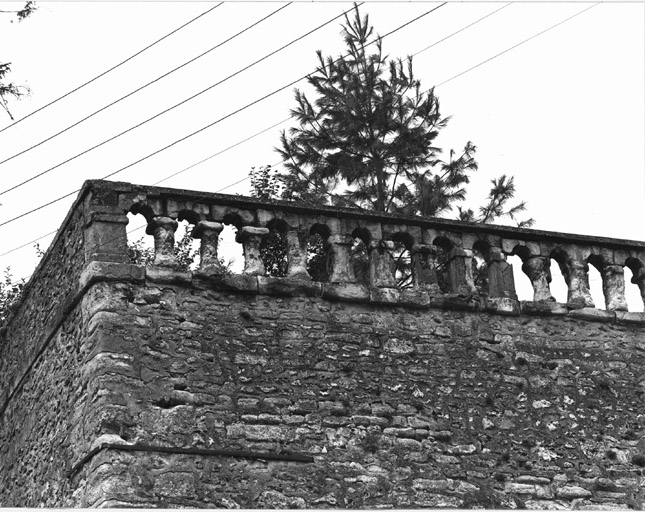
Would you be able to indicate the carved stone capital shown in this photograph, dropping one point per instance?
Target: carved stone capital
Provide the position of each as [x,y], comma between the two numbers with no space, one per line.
[208,232]
[381,263]
[251,237]
[163,230]
[576,274]
[297,255]
[424,271]
[460,271]
[539,272]
[339,263]
[613,286]
[501,282]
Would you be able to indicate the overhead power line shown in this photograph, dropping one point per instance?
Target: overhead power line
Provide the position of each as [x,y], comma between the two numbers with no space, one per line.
[175,106]
[220,152]
[210,124]
[176,141]
[461,29]
[288,118]
[28,243]
[417,53]
[288,85]
[142,87]
[518,44]
[112,68]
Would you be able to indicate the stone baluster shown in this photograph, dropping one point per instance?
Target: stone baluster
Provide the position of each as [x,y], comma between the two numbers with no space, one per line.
[460,271]
[613,286]
[208,232]
[163,230]
[424,268]
[340,263]
[539,272]
[251,237]
[501,282]
[576,275]
[381,263]
[297,254]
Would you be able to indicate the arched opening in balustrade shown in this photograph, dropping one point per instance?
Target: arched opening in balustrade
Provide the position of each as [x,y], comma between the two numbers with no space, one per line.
[481,254]
[523,286]
[360,255]
[558,286]
[273,249]
[229,251]
[595,287]
[141,247]
[596,263]
[444,245]
[402,255]
[317,252]
[633,294]
[187,247]
[558,267]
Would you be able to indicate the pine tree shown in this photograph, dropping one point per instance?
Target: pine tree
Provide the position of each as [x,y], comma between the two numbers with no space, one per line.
[368,139]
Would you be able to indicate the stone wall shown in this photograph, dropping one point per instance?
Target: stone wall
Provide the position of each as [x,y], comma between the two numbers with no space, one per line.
[133,386]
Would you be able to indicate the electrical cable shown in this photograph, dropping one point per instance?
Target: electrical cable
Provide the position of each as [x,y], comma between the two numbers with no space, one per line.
[28,243]
[518,44]
[256,101]
[220,152]
[210,124]
[168,177]
[141,88]
[288,118]
[112,68]
[173,107]
[460,30]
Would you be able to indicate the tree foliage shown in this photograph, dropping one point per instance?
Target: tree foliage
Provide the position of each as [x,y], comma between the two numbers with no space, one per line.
[368,140]
[10,89]
[9,293]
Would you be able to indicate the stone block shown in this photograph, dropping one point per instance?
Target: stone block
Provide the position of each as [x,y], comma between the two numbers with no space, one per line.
[384,295]
[570,492]
[630,317]
[288,287]
[165,275]
[348,292]
[543,308]
[593,315]
[502,305]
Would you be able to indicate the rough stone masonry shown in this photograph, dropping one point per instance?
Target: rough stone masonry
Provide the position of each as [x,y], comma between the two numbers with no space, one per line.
[124,385]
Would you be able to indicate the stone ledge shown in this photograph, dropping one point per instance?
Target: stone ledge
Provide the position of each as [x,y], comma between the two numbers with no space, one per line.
[242,283]
[288,287]
[165,275]
[593,315]
[350,292]
[108,271]
[543,308]
[630,317]
[502,306]
[458,302]
[345,292]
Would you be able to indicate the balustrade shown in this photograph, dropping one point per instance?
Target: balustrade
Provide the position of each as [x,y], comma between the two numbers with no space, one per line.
[435,245]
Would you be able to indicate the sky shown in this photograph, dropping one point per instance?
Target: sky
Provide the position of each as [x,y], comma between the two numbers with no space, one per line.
[563,112]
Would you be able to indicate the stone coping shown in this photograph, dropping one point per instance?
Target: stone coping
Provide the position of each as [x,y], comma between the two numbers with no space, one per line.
[252,203]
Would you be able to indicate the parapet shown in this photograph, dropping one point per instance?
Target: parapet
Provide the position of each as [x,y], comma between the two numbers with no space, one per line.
[426,239]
